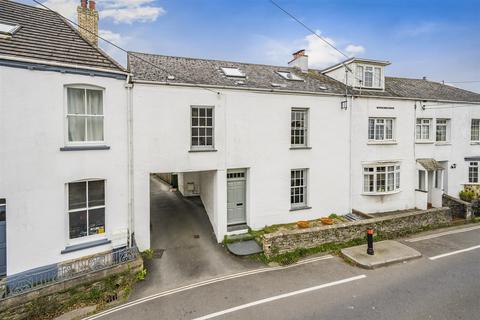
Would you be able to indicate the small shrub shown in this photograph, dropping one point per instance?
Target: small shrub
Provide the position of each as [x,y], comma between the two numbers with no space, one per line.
[140,276]
[333,216]
[148,254]
[466,195]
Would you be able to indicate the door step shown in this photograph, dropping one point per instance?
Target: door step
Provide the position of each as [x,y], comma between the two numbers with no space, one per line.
[244,248]
[237,227]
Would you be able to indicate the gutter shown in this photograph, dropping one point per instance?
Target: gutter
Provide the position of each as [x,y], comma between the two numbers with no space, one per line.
[354,96]
[40,62]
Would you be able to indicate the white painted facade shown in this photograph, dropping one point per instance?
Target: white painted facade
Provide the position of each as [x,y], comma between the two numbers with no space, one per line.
[252,131]
[34,172]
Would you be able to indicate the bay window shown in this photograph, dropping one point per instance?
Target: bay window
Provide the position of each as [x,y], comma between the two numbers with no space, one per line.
[380,129]
[381,178]
[85,115]
[86,208]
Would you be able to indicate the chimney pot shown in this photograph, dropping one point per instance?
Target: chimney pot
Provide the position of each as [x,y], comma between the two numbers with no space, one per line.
[299,53]
[92,4]
[424,78]
[83,3]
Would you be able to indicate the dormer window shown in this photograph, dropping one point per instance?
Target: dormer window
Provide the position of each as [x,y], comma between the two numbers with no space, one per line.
[7,30]
[287,75]
[369,76]
[233,72]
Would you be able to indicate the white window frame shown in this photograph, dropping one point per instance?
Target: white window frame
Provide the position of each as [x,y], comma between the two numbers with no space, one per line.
[198,126]
[92,237]
[304,128]
[379,132]
[473,172]
[302,188]
[376,78]
[391,173]
[477,133]
[420,128]
[84,87]
[443,123]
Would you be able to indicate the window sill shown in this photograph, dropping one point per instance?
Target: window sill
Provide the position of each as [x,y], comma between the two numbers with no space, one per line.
[424,142]
[86,245]
[424,191]
[300,208]
[300,148]
[373,142]
[381,193]
[475,143]
[443,144]
[85,148]
[202,150]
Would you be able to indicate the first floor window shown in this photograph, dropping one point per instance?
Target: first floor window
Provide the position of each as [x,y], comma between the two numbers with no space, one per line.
[423,129]
[442,130]
[380,129]
[381,179]
[299,127]
[86,208]
[475,130]
[473,172]
[202,127]
[84,115]
[298,188]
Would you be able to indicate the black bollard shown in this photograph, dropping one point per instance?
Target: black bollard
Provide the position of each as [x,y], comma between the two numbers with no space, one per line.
[370,242]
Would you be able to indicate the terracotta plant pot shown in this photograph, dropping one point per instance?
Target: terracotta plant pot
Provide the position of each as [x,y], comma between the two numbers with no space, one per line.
[326,221]
[303,224]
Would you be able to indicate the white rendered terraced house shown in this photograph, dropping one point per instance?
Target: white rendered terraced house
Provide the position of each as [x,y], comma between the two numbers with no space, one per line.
[259,144]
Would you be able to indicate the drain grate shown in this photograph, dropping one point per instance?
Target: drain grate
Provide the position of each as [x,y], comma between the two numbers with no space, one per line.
[157,253]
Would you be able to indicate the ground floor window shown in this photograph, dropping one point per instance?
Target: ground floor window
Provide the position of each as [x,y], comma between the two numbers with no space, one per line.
[86,208]
[422,180]
[298,188]
[473,172]
[381,178]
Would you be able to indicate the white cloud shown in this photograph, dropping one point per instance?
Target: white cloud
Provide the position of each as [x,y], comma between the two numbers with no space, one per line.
[130,11]
[320,54]
[120,11]
[114,37]
[67,8]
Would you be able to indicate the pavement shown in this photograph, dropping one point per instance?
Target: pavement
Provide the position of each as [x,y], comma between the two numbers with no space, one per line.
[182,233]
[385,253]
[443,284]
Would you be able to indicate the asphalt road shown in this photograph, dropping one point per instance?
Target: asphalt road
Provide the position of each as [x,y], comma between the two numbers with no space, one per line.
[443,284]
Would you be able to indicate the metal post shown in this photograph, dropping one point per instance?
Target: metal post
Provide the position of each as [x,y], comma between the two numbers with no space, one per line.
[370,242]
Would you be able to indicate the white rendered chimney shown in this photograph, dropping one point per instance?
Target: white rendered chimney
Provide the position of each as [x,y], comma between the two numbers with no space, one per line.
[300,61]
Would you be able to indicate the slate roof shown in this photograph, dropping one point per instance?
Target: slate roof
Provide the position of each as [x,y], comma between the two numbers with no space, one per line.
[258,76]
[208,72]
[44,35]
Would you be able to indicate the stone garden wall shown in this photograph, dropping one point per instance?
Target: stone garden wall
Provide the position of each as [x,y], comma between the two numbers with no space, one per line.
[97,288]
[387,227]
[460,208]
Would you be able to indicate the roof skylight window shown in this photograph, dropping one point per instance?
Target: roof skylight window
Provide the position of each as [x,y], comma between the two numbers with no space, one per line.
[233,72]
[8,29]
[287,75]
